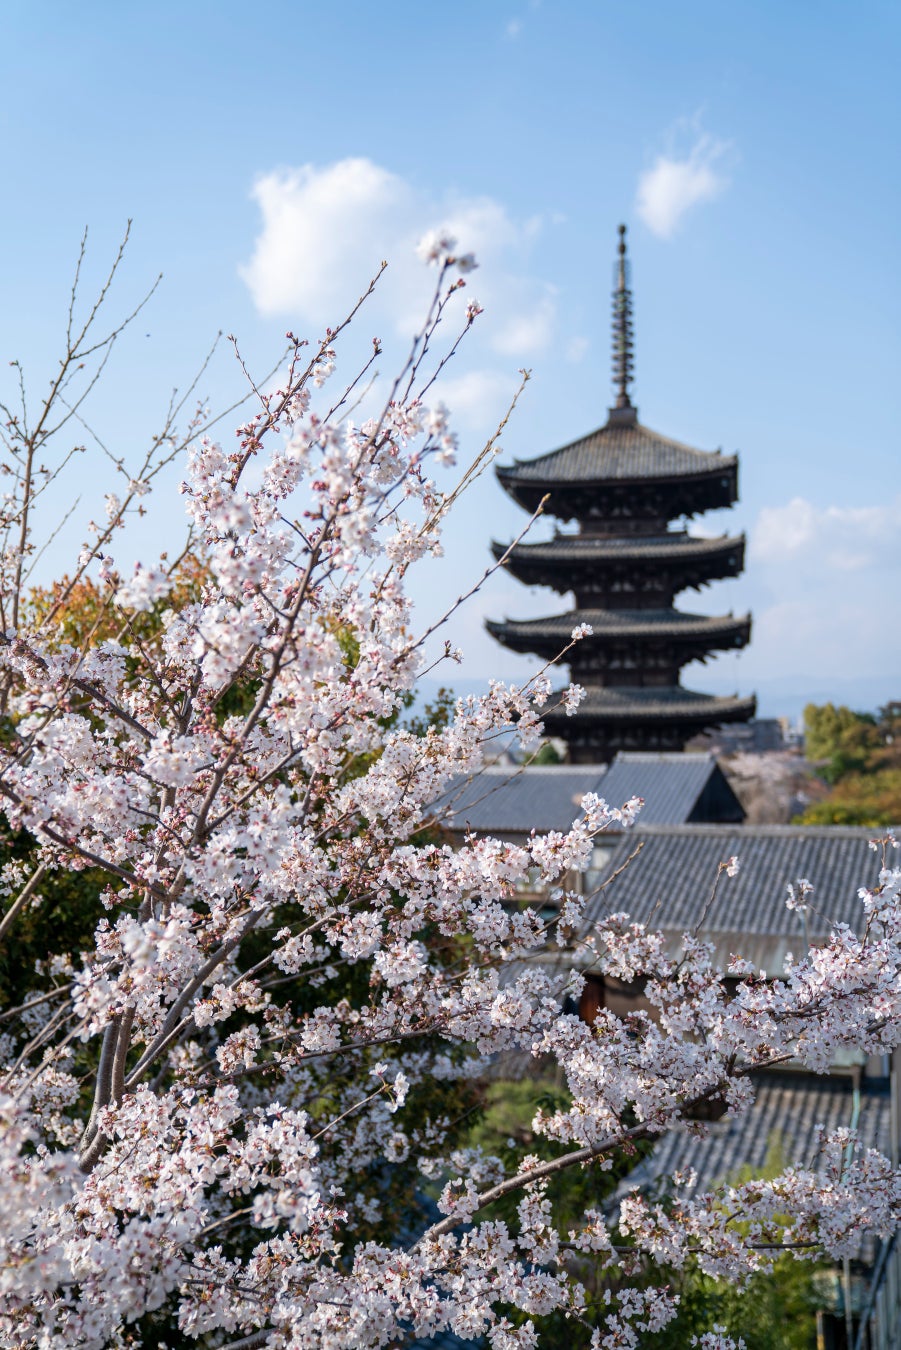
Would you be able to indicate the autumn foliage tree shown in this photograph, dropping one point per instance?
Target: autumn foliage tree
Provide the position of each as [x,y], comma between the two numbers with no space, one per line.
[293,978]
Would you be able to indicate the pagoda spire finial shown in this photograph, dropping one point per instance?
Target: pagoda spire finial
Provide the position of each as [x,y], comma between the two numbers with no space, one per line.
[623,361]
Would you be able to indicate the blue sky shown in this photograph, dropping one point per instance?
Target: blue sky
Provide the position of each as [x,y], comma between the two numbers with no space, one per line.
[271,154]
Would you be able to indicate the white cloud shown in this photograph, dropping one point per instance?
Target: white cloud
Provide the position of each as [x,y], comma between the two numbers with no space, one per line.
[676,183]
[796,625]
[837,539]
[513,27]
[828,635]
[820,582]
[324,233]
[478,399]
[529,329]
[576,349]
[325,230]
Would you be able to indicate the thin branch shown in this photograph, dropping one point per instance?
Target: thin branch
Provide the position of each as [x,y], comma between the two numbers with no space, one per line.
[22,898]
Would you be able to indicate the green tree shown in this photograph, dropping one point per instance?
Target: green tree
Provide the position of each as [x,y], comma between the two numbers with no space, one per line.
[775,1310]
[860,756]
[838,740]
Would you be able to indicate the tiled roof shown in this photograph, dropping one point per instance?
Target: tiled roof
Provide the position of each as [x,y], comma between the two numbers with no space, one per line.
[618,452]
[628,703]
[788,1109]
[671,784]
[621,623]
[669,883]
[676,546]
[507,800]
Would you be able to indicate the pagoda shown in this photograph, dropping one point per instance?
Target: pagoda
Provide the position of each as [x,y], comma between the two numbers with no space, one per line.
[623,484]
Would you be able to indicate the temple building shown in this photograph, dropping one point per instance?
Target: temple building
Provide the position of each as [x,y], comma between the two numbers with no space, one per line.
[623,484]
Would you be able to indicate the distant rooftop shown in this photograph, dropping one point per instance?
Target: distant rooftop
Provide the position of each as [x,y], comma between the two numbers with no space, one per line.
[783,1126]
[677,788]
[670,881]
[504,799]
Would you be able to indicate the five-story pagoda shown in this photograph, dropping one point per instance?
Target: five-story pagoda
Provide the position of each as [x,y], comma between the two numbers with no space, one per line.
[623,485]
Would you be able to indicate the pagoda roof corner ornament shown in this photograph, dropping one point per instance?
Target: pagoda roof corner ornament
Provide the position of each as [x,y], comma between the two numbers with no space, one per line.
[623,412]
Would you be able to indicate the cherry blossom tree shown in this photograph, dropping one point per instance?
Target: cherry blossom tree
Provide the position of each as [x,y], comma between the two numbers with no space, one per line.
[289,957]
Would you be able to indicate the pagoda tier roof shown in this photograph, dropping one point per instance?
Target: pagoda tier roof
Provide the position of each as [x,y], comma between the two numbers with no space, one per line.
[671,548]
[668,703]
[549,635]
[621,451]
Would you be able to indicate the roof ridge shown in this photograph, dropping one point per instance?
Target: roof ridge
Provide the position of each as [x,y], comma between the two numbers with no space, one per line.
[571,618]
[672,539]
[632,431]
[635,756]
[862,832]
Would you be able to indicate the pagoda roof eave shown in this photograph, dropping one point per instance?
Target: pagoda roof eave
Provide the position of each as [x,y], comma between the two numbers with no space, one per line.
[552,633]
[649,703]
[512,482]
[566,550]
[594,499]
[616,452]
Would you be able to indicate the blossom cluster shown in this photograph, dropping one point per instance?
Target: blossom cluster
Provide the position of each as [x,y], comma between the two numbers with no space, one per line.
[291,952]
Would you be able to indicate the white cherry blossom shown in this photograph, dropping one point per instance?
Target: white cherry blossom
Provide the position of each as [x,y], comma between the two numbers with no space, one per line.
[292,956]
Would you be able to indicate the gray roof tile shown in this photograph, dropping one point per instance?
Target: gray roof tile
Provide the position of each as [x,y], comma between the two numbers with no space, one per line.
[669,882]
[671,784]
[618,452]
[507,800]
[789,1108]
[504,799]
